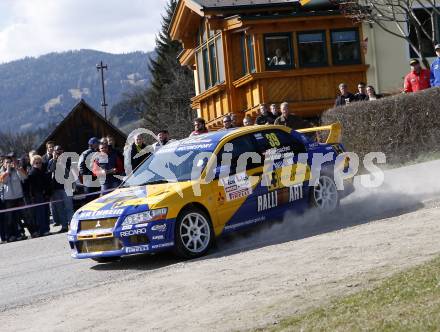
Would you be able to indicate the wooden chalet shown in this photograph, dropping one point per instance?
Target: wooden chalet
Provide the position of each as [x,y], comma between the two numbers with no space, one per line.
[248,52]
[82,123]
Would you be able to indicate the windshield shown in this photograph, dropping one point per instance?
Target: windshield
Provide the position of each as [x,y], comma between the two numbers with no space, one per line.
[172,163]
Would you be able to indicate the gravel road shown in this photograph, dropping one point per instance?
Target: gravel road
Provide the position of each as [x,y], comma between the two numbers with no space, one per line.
[250,280]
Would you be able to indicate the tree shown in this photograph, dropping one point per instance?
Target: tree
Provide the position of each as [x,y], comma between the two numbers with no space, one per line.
[122,113]
[22,142]
[166,102]
[400,14]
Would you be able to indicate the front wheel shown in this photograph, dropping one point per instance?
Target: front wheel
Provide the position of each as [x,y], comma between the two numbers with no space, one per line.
[193,233]
[324,194]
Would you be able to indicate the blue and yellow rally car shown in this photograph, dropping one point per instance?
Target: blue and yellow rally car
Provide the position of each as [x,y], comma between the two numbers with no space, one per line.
[191,191]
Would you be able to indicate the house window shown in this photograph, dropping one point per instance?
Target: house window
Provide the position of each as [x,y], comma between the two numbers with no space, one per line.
[312,49]
[220,59]
[345,47]
[203,32]
[427,44]
[247,50]
[213,62]
[206,68]
[251,52]
[278,51]
[209,59]
[200,74]
[244,69]
[212,33]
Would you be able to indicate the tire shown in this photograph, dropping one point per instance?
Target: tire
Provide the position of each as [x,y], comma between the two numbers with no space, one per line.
[103,260]
[193,234]
[324,195]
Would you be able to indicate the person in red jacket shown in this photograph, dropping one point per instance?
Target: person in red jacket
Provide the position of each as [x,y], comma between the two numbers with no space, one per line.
[106,166]
[417,79]
[199,127]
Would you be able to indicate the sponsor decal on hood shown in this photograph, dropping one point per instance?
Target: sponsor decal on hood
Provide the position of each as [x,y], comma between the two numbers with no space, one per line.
[115,203]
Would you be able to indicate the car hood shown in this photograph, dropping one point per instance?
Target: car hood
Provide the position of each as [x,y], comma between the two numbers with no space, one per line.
[131,200]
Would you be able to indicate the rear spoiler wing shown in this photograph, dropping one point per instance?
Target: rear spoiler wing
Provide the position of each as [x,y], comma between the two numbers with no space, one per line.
[334,132]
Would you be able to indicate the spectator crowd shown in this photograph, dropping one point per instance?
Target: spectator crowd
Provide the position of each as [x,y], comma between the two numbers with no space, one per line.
[420,79]
[416,80]
[32,190]
[33,181]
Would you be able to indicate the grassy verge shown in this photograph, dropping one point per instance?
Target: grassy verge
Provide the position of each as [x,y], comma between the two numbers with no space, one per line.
[407,301]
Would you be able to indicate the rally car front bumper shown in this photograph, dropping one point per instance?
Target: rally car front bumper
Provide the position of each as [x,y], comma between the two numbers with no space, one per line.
[121,241]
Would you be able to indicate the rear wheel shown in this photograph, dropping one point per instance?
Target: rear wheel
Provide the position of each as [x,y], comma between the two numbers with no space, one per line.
[193,233]
[324,194]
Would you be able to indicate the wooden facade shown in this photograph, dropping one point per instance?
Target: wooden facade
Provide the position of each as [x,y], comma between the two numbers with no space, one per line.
[231,46]
[82,123]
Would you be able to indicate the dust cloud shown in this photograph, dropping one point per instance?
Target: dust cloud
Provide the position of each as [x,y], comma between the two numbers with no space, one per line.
[404,190]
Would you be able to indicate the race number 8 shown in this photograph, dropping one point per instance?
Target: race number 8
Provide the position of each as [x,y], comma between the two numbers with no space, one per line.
[273,140]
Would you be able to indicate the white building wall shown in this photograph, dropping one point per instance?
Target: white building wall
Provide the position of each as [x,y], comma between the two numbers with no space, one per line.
[388,57]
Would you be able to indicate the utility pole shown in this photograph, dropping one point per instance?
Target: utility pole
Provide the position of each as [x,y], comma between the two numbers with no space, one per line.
[101,67]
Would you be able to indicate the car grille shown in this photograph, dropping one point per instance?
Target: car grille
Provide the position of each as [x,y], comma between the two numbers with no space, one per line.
[90,246]
[86,225]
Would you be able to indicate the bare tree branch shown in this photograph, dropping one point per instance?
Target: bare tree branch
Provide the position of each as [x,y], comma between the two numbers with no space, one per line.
[433,5]
[400,12]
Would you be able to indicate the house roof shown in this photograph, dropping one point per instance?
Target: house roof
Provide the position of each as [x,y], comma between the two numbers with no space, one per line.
[213,4]
[241,3]
[81,106]
[189,13]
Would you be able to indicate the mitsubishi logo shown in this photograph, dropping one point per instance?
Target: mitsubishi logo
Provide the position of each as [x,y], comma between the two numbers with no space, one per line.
[98,224]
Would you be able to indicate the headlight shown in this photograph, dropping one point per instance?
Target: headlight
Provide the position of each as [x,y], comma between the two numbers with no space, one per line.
[145,216]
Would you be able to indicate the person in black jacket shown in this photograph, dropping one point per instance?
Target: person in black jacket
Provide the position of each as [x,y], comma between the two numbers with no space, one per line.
[39,192]
[362,93]
[27,215]
[62,205]
[346,97]
[136,148]
[48,155]
[85,169]
[274,111]
[227,123]
[265,116]
[290,120]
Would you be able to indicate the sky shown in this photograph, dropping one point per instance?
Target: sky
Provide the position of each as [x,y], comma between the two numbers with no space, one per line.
[36,27]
